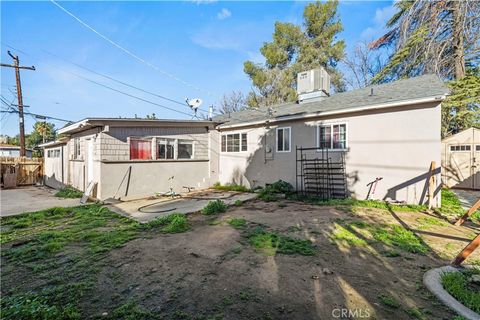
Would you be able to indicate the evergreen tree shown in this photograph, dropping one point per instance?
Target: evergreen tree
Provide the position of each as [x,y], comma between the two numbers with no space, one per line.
[294,49]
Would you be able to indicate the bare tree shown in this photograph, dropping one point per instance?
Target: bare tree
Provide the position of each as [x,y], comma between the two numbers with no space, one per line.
[362,65]
[232,102]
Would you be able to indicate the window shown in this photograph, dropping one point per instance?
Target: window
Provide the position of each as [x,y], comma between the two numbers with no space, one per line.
[166,149]
[55,153]
[332,136]
[185,149]
[140,149]
[464,147]
[76,148]
[283,139]
[477,147]
[234,142]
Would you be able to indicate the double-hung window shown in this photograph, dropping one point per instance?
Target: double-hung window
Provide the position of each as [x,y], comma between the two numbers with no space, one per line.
[165,149]
[332,136]
[283,139]
[234,142]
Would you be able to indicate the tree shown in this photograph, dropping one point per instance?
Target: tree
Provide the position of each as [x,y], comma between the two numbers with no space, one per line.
[232,102]
[362,65]
[42,132]
[150,116]
[293,50]
[439,37]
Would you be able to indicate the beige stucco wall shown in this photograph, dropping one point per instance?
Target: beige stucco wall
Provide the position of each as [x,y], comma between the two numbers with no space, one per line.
[461,168]
[396,144]
[54,169]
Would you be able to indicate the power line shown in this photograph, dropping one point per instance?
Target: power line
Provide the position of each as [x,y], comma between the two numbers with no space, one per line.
[37,116]
[128,51]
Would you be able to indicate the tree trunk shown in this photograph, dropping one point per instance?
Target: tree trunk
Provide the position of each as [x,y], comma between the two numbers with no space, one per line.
[458,46]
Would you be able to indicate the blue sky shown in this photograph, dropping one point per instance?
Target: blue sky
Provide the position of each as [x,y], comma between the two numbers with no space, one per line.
[203,43]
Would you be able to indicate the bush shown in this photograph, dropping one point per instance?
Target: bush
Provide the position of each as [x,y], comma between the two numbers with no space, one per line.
[214,207]
[173,223]
[69,192]
[231,187]
[268,193]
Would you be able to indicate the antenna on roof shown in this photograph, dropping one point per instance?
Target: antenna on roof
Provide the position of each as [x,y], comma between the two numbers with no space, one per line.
[194,104]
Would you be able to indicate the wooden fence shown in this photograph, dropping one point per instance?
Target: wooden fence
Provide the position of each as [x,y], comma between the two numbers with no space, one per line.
[20,171]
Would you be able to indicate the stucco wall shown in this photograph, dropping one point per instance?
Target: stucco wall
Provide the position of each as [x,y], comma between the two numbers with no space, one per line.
[397,145]
[147,178]
[55,167]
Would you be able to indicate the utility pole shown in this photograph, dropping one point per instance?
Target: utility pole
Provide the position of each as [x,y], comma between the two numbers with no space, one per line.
[17,67]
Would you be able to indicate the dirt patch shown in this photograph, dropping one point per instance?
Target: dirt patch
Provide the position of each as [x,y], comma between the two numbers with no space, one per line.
[214,272]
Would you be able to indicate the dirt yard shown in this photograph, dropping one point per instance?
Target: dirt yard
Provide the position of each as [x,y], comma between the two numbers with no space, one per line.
[361,260]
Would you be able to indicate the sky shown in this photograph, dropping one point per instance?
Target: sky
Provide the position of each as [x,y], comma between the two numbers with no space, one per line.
[178,50]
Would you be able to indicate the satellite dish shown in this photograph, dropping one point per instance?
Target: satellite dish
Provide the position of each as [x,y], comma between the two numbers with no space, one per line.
[194,104]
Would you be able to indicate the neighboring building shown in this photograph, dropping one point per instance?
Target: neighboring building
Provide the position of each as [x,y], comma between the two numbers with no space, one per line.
[132,158]
[9,150]
[390,131]
[461,159]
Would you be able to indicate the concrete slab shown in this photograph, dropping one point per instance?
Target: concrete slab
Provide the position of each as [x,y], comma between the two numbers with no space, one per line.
[28,199]
[145,210]
[467,197]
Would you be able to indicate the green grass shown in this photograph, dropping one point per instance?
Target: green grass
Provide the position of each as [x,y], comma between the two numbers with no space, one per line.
[214,207]
[173,223]
[416,313]
[368,204]
[451,206]
[388,300]
[231,187]
[237,222]
[360,233]
[272,243]
[457,284]
[131,311]
[427,222]
[69,192]
[238,203]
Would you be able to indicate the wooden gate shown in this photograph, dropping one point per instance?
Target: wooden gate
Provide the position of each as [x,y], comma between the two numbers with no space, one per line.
[21,171]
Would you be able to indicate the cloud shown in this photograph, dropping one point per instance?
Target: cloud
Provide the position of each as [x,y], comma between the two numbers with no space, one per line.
[224,14]
[382,15]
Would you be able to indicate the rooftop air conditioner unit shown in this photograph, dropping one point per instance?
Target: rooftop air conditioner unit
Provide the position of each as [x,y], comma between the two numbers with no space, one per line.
[315,80]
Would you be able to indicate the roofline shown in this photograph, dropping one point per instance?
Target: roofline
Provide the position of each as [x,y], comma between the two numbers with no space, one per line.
[89,123]
[52,143]
[334,112]
[459,132]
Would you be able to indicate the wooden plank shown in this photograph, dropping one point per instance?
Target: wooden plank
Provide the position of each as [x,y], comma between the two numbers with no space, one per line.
[470,211]
[431,184]
[467,251]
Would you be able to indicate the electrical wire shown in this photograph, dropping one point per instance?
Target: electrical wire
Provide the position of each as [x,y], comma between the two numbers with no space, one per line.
[128,51]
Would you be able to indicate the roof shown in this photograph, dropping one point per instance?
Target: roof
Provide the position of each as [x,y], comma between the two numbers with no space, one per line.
[53,143]
[89,123]
[470,132]
[397,93]
[11,146]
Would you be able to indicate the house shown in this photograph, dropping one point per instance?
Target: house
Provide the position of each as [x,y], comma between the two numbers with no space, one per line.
[132,158]
[10,150]
[378,142]
[461,159]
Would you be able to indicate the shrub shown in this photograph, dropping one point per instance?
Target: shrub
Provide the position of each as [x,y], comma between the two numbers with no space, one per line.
[214,207]
[268,193]
[238,203]
[231,187]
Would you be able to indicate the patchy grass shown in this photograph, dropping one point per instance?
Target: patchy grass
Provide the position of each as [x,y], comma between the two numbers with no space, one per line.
[388,300]
[416,313]
[131,311]
[237,222]
[451,206]
[231,187]
[272,243]
[367,204]
[238,203]
[428,222]
[214,207]
[360,233]
[173,223]
[457,284]
[69,192]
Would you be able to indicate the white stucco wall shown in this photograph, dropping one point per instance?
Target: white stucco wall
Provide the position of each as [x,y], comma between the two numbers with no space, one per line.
[396,144]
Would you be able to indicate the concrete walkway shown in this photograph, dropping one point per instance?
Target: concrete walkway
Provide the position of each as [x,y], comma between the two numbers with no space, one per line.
[28,199]
[467,197]
[145,210]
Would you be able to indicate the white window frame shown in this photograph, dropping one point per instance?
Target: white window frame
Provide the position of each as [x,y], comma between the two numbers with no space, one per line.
[331,124]
[156,141]
[472,146]
[192,142]
[77,155]
[240,133]
[289,139]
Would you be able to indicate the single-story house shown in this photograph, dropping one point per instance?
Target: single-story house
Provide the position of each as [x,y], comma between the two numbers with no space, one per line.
[461,159]
[10,150]
[387,133]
